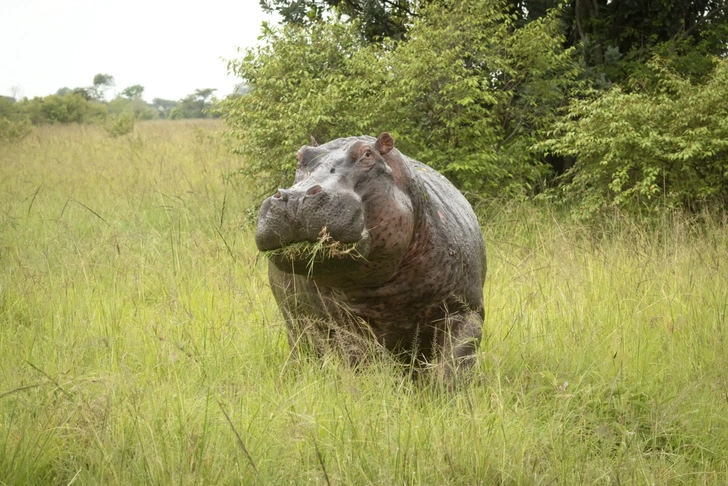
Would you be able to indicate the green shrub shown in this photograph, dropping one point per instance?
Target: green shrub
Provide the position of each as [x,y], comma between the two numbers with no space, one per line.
[10,109]
[319,81]
[667,143]
[69,108]
[473,93]
[14,130]
[121,124]
[136,107]
[468,93]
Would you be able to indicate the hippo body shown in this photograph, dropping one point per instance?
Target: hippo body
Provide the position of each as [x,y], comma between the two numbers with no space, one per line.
[413,278]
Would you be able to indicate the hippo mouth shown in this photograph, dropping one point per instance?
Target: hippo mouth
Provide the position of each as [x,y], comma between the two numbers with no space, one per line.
[299,228]
[324,251]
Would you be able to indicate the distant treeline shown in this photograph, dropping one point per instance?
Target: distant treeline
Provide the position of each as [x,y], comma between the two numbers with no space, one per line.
[88,105]
[591,103]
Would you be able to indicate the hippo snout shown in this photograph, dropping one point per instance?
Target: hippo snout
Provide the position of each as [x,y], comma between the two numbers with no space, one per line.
[286,194]
[302,214]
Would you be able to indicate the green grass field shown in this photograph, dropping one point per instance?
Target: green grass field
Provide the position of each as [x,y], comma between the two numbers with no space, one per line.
[139,343]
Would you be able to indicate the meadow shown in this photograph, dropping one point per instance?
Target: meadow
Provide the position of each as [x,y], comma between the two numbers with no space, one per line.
[140,344]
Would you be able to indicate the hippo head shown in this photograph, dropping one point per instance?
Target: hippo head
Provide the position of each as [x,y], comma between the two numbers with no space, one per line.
[328,209]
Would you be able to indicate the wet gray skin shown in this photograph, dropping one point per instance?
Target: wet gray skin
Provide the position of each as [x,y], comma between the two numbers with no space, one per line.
[415,282]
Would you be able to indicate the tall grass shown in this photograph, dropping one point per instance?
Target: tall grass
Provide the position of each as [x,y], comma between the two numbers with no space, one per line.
[139,343]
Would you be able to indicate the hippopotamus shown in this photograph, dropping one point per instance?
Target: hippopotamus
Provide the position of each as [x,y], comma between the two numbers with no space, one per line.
[396,255]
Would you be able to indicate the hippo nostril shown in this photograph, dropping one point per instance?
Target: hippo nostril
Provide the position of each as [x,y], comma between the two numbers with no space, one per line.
[314,190]
[282,195]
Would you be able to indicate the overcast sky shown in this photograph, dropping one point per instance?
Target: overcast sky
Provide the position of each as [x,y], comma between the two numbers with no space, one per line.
[169,47]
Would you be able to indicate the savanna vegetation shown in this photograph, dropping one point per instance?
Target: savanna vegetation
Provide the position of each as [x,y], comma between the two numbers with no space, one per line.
[89,105]
[141,344]
[589,104]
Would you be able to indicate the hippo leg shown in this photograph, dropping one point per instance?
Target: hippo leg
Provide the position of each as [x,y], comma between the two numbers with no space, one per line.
[304,338]
[458,346]
[316,321]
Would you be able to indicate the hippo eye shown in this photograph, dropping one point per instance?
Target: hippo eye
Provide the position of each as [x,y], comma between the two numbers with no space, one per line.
[368,153]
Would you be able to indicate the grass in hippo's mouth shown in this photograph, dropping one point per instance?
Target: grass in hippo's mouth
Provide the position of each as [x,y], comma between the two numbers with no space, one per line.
[325,247]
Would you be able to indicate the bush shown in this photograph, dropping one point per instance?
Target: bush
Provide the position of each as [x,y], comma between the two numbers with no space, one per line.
[10,109]
[14,130]
[666,142]
[69,108]
[473,93]
[136,107]
[305,82]
[468,93]
[121,124]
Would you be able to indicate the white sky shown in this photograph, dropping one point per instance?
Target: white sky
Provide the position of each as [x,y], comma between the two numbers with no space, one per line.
[169,47]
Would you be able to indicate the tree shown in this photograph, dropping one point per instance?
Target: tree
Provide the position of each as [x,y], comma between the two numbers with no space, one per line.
[468,92]
[85,93]
[240,89]
[378,19]
[130,102]
[164,107]
[477,92]
[14,123]
[203,94]
[667,144]
[69,108]
[629,92]
[9,109]
[133,92]
[102,83]
[195,105]
[615,38]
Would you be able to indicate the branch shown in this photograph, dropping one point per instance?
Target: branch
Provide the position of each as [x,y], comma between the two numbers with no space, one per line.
[515,130]
[399,7]
[701,21]
[578,20]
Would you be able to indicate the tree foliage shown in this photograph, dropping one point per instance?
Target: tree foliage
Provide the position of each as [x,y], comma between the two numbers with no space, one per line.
[102,83]
[615,38]
[377,19]
[87,105]
[195,105]
[473,92]
[164,107]
[133,92]
[14,125]
[469,92]
[129,105]
[627,97]
[70,108]
[318,80]
[136,107]
[667,143]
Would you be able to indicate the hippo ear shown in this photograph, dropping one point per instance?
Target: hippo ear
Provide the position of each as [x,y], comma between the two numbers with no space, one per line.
[385,143]
[314,143]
